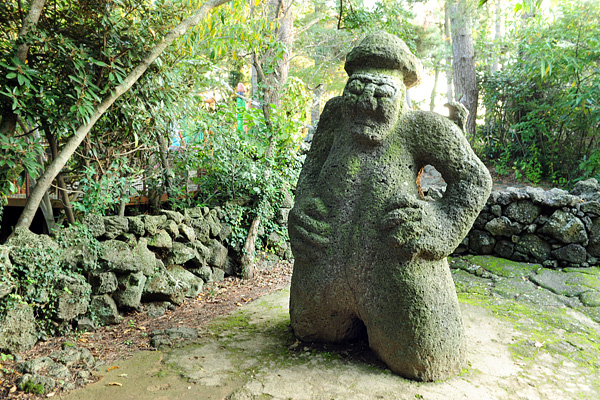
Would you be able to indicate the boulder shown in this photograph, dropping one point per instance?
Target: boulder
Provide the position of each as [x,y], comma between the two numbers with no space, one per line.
[502,226]
[588,190]
[532,245]
[32,251]
[175,216]
[18,329]
[145,258]
[196,212]
[565,227]
[81,255]
[554,198]
[103,282]
[7,284]
[225,232]
[282,216]
[161,286]
[73,296]
[218,254]
[119,257]
[481,242]
[153,222]
[205,273]
[496,210]
[129,292]
[115,226]
[171,228]
[186,278]
[46,383]
[590,207]
[288,200]
[572,253]
[104,309]
[136,225]
[180,254]
[213,222]
[523,211]
[160,240]
[504,249]
[186,234]
[201,228]
[95,223]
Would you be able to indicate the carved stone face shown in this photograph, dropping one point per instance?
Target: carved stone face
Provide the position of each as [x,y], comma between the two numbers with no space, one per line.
[372,105]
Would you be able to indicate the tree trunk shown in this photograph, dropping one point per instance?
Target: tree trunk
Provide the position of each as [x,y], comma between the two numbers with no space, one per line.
[463,65]
[164,161]
[497,36]
[448,44]
[9,118]
[434,90]
[59,178]
[247,262]
[271,85]
[67,151]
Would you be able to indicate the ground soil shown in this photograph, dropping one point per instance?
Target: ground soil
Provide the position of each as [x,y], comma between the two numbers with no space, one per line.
[120,342]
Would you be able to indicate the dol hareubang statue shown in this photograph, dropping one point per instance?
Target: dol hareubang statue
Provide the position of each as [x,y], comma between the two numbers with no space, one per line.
[370,252]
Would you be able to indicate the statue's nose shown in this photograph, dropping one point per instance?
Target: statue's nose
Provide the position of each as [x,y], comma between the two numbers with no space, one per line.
[367,100]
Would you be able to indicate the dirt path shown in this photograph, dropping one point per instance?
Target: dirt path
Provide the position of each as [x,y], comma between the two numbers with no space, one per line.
[251,354]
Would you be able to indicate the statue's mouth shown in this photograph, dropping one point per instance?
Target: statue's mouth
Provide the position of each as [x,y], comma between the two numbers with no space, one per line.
[369,124]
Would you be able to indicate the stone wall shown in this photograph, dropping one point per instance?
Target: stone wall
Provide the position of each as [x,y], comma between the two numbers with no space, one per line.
[553,227]
[157,260]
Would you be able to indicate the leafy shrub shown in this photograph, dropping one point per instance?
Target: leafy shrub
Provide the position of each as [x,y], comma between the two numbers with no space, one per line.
[543,108]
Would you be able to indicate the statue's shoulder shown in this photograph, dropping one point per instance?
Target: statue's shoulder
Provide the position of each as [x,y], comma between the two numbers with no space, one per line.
[429,119]
[330,116]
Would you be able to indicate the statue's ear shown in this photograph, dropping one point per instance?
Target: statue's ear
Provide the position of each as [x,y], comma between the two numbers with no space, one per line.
[458,114]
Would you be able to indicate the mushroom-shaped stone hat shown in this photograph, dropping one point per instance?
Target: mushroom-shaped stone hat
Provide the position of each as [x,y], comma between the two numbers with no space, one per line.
[385,51]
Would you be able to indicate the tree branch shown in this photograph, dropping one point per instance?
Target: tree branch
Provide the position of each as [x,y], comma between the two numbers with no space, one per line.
[67,151]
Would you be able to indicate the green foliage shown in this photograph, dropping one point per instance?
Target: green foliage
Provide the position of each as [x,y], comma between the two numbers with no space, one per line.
[233,168]
[30,387]
[100,193]
[18,154]
[36,270]
[543,110]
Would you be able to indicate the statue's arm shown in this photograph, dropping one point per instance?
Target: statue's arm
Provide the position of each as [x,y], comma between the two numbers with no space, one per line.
[441,143]
[307,224]
[320,146]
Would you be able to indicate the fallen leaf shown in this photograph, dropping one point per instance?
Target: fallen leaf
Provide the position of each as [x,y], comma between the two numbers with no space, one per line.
[114,384]
[51,394]
[238,304]
[13,389]
[111,368]
[122,375]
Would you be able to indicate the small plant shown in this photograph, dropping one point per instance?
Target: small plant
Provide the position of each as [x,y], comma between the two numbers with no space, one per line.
[33,388]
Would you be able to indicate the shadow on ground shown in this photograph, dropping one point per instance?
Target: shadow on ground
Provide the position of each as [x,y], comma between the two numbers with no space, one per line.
[525,341]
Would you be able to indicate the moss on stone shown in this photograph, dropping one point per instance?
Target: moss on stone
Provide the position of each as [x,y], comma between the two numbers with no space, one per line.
[502,267]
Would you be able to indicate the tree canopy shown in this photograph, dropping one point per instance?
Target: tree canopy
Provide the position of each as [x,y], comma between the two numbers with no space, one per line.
[102,101]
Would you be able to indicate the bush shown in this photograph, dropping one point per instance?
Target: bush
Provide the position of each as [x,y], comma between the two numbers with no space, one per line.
[543,109]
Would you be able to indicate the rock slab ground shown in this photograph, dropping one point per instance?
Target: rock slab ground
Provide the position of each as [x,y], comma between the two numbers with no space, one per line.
[516,349]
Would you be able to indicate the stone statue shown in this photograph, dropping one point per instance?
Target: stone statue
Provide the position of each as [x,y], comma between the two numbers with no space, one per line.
[370,253]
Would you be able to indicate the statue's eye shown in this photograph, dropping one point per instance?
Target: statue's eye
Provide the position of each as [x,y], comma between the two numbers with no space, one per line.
[385,90]
[356,87]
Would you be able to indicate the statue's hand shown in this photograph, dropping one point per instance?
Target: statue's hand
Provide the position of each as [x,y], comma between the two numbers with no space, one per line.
[307,223]
[405,222]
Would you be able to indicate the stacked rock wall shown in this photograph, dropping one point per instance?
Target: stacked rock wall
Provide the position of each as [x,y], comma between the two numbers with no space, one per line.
[127,261]
[553,227]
